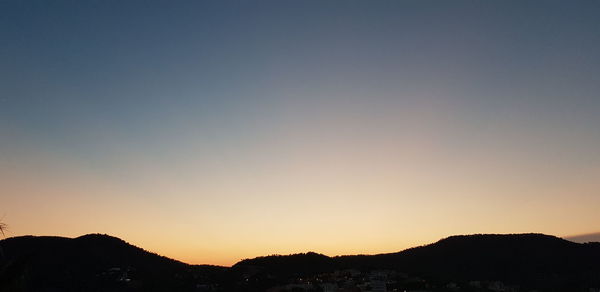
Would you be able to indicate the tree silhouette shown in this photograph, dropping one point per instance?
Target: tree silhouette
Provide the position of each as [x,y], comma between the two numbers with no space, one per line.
[2,228]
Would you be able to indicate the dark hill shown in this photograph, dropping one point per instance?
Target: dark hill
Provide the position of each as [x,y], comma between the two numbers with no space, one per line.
[527,260]
[296,264]
[302,261]
[88,263]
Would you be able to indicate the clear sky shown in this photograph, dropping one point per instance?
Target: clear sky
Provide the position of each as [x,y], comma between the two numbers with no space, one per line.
[211,131]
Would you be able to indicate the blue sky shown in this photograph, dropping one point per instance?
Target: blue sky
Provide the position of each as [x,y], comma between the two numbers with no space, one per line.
[359,105]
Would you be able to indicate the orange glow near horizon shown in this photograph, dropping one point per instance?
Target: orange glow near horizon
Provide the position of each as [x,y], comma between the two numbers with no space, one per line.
[326,209]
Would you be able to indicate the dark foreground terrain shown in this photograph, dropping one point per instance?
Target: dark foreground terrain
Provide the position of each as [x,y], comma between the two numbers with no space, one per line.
[519,262]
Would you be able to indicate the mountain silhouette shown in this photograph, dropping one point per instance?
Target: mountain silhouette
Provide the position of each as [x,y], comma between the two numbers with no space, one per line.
[91,262]
[533,261]
[103,263]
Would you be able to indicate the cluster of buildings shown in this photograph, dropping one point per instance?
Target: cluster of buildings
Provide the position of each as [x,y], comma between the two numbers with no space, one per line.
[384,281]
[350,281]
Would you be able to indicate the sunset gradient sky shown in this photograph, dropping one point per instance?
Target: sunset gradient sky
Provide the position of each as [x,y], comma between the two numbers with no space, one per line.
[211,131]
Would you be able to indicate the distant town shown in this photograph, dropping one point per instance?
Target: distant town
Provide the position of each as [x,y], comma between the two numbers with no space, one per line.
[352,280]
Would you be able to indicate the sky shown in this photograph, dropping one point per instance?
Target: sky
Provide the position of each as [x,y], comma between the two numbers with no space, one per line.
[213,131]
